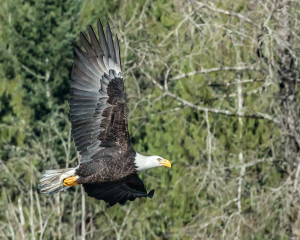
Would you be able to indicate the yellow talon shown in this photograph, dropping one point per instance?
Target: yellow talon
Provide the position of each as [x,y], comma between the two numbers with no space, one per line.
[70,181]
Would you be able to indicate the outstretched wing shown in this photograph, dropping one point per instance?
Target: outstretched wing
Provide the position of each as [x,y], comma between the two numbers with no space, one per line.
[97,99]
[129,188]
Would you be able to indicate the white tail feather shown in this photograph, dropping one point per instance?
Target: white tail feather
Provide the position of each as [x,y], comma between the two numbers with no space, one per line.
[52,181]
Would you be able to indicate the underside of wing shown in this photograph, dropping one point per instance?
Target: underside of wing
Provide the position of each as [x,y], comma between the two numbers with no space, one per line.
[97,99]
[128,188]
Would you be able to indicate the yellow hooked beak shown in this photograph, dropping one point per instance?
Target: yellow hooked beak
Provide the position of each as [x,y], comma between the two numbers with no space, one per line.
[166,163]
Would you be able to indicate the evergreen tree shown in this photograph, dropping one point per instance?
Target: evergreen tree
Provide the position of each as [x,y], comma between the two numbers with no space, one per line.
[36,57]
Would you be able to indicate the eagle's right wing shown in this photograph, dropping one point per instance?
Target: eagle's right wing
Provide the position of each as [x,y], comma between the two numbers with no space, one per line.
[97,99]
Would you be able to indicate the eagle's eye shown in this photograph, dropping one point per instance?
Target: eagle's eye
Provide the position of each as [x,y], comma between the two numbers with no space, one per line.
[159,159]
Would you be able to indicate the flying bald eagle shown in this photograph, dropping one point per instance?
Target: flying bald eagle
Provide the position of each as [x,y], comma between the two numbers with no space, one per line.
[108,163]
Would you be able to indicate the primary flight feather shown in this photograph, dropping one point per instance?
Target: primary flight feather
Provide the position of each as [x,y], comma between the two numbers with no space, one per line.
[108,163]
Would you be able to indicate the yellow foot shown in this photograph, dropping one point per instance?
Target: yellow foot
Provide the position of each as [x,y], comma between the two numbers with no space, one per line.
[70,181]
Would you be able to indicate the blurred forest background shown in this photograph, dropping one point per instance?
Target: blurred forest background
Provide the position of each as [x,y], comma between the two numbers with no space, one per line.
[211,85]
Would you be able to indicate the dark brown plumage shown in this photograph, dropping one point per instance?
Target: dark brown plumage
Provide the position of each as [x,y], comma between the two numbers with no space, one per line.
[99,124]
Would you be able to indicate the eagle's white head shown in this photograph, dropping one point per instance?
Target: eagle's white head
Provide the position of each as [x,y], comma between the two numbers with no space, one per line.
[147,162]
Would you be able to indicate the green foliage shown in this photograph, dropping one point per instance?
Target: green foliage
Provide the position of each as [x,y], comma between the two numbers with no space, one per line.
[36,53]
[198,198]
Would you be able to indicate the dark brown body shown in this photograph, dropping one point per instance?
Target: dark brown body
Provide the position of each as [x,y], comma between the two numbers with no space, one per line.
[109,165]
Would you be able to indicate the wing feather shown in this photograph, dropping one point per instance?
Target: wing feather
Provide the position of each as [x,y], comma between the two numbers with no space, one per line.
[97,96]
[86,69]
[102,38]
[128,188]
[117,49]
[110,43]
[86,45]
[80,77]
[86,61]
[95,42]
[101,64]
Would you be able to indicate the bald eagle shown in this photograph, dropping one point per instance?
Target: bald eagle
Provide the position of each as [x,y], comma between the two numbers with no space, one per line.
[108,163]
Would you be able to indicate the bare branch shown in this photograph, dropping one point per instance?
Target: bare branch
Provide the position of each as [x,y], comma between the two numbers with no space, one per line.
[216,69]
[257,115]
[212,7]
[33,73]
